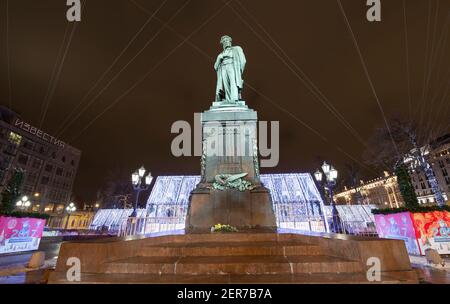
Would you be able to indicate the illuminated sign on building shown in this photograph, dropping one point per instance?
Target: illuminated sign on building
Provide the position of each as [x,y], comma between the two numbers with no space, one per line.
[38,133]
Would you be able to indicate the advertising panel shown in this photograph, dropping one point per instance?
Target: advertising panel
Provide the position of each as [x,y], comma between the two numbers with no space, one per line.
[20,234]
[398,226]
[433,231]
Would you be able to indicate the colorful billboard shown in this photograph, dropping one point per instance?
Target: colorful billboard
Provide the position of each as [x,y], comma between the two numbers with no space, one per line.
[20,234]
[420,231]
[433,230]
[398,226]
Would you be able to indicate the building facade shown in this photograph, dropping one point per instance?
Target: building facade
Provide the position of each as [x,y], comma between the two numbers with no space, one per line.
[50,165]
[382,192]
[78,220]
[438,155]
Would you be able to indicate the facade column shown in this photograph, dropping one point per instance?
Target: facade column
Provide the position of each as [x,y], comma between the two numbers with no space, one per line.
[389,197]
[395,197]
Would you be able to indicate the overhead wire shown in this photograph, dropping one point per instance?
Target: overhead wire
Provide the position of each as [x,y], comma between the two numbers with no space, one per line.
[355,42]
[71,115]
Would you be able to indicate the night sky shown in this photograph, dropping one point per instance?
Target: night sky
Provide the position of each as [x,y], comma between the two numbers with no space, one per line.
[126,122]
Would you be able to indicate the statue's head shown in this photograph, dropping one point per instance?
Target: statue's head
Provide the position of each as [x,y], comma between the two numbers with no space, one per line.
[226,41]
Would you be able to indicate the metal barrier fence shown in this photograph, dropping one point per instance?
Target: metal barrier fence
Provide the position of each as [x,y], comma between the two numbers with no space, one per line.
[306,225]
[359,228]
[144,225]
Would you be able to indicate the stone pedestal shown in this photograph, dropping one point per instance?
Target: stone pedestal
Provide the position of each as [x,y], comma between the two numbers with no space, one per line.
[229,141]
[229,147]
[244,210]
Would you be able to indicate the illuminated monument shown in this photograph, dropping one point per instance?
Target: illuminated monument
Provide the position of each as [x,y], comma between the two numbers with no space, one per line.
[230,191]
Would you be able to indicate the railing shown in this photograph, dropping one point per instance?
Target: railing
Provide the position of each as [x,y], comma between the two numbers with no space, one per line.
[315,225]
[144,225]
[360,228]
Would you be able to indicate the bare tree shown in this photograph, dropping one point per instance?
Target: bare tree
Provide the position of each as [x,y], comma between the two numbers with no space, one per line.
[117,190]
[353,173]
[402,143]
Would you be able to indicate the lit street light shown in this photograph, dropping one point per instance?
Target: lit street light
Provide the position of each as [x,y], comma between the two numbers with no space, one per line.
[140,183]
[24,203]
[71,208]
[329,183]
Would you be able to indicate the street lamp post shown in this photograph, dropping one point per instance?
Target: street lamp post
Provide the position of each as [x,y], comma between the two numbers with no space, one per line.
[140,183]
[71,208]
[329,183]
[24,203]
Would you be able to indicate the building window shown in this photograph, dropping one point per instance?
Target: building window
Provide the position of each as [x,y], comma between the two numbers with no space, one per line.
[60,208]
[49,208]
[28,145]
[37,163]
[48,168]
[22,159]
[14,138]
[63,159]
[41,149]
[45,180]
[59,171]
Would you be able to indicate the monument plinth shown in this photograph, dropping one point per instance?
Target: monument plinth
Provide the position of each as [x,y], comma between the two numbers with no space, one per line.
[229,143]
[230,191]
[229,151]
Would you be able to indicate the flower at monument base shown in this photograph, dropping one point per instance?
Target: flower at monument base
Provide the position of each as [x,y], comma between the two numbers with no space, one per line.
[223,228]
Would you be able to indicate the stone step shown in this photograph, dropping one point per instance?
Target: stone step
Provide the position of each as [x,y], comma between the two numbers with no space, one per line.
[227,237]
[266,248]
[220,265]
[314,278]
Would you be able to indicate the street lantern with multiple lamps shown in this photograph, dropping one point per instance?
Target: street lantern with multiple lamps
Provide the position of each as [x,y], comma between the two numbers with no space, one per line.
[330,182]
[70,208]
[24,203]
[140,183]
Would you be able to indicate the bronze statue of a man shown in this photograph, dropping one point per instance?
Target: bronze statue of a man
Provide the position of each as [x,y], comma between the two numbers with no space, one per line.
[229,66]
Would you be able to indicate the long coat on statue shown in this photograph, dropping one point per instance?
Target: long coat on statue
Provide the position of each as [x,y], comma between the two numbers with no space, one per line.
[229,78]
